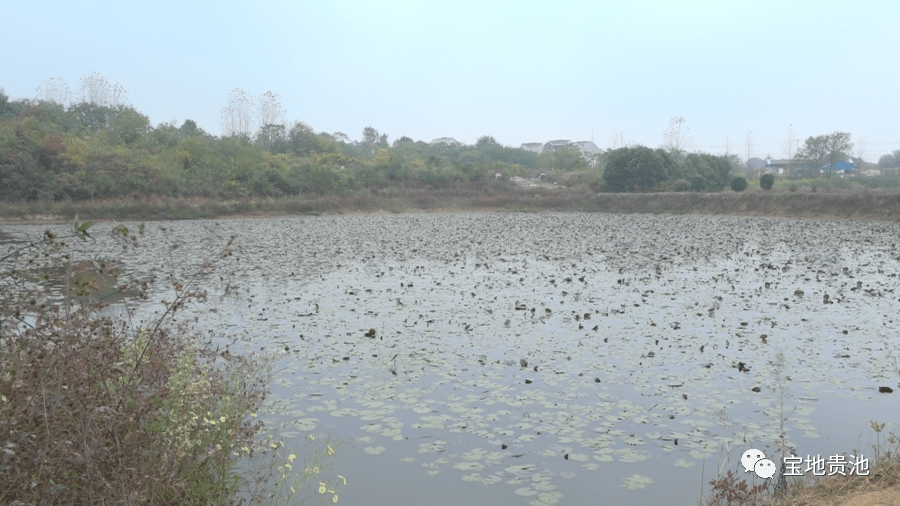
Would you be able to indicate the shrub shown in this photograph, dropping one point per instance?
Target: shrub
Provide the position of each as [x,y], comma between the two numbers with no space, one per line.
[95,412]
[698,183]
[739,184]
[681,185]
[766,181]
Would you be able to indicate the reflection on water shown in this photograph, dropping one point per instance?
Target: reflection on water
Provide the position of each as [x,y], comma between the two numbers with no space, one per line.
[560,358]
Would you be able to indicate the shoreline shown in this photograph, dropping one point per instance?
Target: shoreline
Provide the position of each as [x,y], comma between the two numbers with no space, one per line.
[847,206]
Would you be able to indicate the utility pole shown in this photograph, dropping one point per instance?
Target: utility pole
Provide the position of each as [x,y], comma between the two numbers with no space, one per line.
[790,138]
[749,145]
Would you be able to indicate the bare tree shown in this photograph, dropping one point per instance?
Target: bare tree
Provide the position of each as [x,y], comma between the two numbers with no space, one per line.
[95,89]
[237,116]
[618,139]
[55,90]
[677,139]
[270,115]
[269,109]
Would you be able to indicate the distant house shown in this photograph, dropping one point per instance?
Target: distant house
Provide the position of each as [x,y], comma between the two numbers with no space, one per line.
[839,169]
[589,151]
[445,141]
[785,167]
[844,167]
[535,147]
[588,148]
[552,146]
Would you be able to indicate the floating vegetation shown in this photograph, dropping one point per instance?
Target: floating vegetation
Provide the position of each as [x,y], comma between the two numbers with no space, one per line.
[636,482]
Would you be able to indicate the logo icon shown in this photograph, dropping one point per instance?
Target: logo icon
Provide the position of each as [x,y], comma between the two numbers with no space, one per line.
[750,458]
[764,468]
[755,461]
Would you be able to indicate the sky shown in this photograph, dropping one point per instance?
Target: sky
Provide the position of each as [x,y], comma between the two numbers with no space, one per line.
[612,72]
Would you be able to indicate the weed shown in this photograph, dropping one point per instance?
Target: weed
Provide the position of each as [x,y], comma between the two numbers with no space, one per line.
[93,411]
[728,490]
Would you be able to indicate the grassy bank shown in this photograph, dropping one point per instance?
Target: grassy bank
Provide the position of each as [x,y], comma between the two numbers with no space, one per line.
[95,410]
[861,204]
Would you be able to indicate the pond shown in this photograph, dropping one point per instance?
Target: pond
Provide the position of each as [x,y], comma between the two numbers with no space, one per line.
[554,358]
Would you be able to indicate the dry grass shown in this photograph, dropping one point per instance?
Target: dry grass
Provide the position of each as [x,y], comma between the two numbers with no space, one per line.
[833,491]
[814,491]
[862,203]
[811,490]
[94,411]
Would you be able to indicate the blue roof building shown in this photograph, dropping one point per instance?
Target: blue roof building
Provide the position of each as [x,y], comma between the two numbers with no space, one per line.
[844,166]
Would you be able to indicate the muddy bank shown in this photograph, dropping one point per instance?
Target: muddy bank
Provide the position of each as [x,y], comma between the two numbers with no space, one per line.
[849,205]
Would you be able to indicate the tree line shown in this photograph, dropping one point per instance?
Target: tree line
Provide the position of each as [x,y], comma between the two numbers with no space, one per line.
[99,146]
[94,145]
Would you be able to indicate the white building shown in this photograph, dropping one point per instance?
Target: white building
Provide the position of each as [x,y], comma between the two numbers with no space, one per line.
[445,141]
[535,147]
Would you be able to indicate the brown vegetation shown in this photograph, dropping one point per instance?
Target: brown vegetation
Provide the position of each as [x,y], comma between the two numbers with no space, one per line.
[858,204]
[95,411]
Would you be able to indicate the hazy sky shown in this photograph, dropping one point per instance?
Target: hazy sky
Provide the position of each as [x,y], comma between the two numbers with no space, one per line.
[519,71]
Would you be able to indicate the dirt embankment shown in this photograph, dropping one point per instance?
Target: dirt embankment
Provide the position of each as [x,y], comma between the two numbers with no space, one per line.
[876,206]
[849,205]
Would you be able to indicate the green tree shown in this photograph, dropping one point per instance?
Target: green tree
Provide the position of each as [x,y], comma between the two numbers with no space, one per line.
[680,185]
[272,138]
[639,167]
[402,140]
[372,137]
[190,129]
[89,117]
[303,141]
[885,162]
[7,109]
[616,173]
[566,159]
[698,183]
[674,170]
[486,140]
[738,184]
[826,150]
[126,125]
[715,170]
[766,181]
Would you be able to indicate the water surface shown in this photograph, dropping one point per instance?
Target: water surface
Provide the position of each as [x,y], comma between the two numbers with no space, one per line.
[550,358]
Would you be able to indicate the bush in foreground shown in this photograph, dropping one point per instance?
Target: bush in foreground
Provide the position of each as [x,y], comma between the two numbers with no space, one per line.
[95,412]
[766,181]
